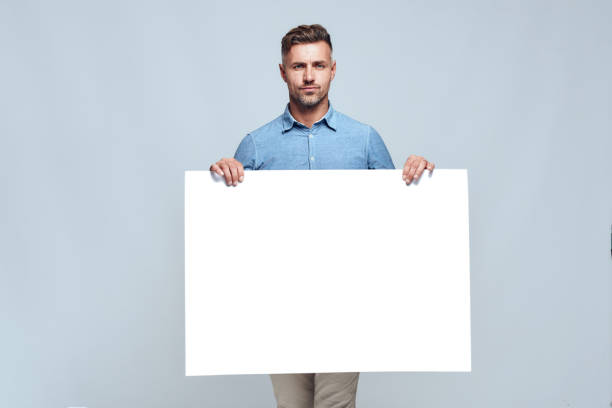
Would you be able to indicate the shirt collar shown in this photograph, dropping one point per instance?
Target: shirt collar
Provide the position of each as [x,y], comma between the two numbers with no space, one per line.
[329,118]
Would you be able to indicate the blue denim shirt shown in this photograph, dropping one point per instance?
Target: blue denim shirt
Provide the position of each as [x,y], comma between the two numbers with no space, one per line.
[334,142]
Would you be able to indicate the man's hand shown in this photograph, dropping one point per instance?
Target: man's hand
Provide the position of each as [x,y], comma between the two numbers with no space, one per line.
[230,168]
[414,167]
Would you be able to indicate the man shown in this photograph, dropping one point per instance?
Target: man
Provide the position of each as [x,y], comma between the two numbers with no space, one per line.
[310,134]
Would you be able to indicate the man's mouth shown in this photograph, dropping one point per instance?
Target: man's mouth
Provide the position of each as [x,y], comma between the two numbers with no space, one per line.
[310,88]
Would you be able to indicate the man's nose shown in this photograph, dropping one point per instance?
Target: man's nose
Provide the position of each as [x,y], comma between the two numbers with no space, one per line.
[308,77]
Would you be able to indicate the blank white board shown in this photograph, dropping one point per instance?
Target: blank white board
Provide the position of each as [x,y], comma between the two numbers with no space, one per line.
[310,271]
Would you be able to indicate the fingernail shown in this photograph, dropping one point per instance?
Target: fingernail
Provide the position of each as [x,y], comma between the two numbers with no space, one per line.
[222,174]
[241,178]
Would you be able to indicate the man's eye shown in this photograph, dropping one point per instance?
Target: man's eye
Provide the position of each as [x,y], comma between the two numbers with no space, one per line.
[298,66]
[321,66]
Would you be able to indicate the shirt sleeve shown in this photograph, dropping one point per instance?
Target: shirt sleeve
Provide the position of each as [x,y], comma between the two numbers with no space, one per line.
[378,155]
[246,153]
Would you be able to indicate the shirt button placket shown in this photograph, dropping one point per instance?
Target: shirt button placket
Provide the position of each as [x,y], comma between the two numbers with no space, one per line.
[310,151]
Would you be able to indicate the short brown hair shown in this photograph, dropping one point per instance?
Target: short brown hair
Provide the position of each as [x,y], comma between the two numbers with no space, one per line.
[304,34]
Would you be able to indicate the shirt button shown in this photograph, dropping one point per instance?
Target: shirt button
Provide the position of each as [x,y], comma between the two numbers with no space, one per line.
[310,136]
[311,158]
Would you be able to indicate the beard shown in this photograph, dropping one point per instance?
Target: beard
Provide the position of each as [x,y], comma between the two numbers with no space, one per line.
[310,100]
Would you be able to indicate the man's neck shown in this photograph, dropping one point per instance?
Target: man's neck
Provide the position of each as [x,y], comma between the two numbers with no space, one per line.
[308,115]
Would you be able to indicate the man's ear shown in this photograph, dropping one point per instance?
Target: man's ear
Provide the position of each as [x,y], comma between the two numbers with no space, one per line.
[333,70]
[282,72]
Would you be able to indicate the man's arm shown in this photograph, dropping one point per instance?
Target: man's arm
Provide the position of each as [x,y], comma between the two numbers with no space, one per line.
[233,169]
[246,153]
[379,158]
[378,155]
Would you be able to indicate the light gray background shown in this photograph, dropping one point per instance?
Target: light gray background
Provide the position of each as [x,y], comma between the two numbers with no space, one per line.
[104,105]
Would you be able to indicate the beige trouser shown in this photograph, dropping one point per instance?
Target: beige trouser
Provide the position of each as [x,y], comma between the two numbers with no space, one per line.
[324,390]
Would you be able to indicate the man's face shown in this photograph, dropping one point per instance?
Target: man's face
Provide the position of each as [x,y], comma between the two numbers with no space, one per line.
[308,71]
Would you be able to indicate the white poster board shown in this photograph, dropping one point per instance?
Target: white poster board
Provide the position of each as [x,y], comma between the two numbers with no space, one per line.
[310,271]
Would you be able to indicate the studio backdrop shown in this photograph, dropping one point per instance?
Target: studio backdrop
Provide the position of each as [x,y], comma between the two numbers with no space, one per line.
[105,104]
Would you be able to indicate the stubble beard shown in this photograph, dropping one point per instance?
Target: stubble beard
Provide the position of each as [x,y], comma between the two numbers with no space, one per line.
[309,101]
